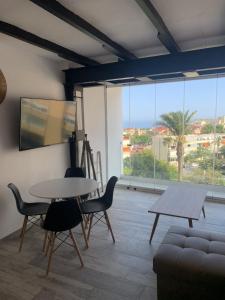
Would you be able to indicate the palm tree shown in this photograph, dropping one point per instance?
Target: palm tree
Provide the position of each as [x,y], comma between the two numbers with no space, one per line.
[168,141]
[178,125]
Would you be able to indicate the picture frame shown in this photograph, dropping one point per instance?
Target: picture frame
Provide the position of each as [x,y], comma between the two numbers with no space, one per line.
[3,87]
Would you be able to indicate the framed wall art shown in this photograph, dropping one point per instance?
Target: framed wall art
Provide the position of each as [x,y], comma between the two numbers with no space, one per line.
[3,87]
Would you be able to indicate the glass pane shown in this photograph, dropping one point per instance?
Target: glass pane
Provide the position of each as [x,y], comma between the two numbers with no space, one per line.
[138,117]
[219,173]
[168,129]
[200,101]
[175,131]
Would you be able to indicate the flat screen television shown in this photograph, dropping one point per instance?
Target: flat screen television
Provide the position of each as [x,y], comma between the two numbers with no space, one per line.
[45,122]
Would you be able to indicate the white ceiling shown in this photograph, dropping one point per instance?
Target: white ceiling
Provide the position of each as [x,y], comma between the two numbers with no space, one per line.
[122,20]
[193,24]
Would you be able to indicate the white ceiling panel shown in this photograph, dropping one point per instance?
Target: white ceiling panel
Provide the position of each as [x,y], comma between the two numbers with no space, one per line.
[193,24]
[30,17]
[122,20]
[194,21]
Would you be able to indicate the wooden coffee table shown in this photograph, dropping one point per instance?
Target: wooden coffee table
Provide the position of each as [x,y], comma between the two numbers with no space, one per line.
[180,201]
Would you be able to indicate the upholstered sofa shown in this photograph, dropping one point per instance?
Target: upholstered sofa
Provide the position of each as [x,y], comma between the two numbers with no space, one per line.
[190,264]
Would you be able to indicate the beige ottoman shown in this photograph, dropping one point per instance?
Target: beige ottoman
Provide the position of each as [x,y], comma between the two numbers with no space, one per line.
[190,264]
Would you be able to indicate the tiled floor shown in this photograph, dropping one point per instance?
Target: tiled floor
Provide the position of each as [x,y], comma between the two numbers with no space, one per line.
[112,271]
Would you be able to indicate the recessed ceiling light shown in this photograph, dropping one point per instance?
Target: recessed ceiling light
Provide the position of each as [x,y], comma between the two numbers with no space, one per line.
[191,74]
[144,79]
[106,83]
[119,79]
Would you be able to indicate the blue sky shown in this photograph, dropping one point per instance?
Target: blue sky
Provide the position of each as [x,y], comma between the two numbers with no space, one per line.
[206,96]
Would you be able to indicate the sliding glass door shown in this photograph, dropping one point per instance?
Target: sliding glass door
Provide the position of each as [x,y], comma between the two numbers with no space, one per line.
[175,131]
[138,121]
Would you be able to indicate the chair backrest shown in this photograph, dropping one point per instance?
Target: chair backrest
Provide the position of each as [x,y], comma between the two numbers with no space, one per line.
[108,195]
[17,196]
[62,216]
[75,172]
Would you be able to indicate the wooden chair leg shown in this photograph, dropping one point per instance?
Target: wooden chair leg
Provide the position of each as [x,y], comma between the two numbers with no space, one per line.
[76,248]
[45,240]
[84,233]
[86,220]
[52,242]
[23,232]
[49,237]
[107,222]
[90,224]
[109,225]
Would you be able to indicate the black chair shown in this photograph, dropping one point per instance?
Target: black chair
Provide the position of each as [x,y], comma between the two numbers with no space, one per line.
[62,216]
[74,172]
[29,210]
[102,204]
[77,172]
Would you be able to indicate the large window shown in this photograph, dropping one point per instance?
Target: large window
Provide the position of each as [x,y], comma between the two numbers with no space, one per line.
[175,131]
[139,118]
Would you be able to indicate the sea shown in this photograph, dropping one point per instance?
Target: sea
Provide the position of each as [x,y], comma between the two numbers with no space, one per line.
[138,124]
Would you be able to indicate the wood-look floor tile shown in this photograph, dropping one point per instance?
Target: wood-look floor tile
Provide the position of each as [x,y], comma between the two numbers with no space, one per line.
[117,271]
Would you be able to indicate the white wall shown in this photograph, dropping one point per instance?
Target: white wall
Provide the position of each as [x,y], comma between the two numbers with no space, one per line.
[94,119]
[28,75]
[95,126]
[115,130]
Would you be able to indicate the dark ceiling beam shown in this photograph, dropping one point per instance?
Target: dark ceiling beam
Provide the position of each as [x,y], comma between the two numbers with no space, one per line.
[163,32]
[195,60]
[33,39]
[60,11]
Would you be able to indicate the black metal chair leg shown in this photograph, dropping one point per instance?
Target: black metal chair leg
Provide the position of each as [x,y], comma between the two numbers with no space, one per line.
[203,211]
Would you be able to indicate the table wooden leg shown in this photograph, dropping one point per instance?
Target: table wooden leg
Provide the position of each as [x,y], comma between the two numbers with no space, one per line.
[154,227]
[190,223]
[203,211]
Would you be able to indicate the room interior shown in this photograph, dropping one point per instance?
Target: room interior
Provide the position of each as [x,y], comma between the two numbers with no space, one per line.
[84,60]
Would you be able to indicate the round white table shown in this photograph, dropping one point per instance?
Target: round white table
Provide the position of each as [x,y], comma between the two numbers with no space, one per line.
[63,188]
